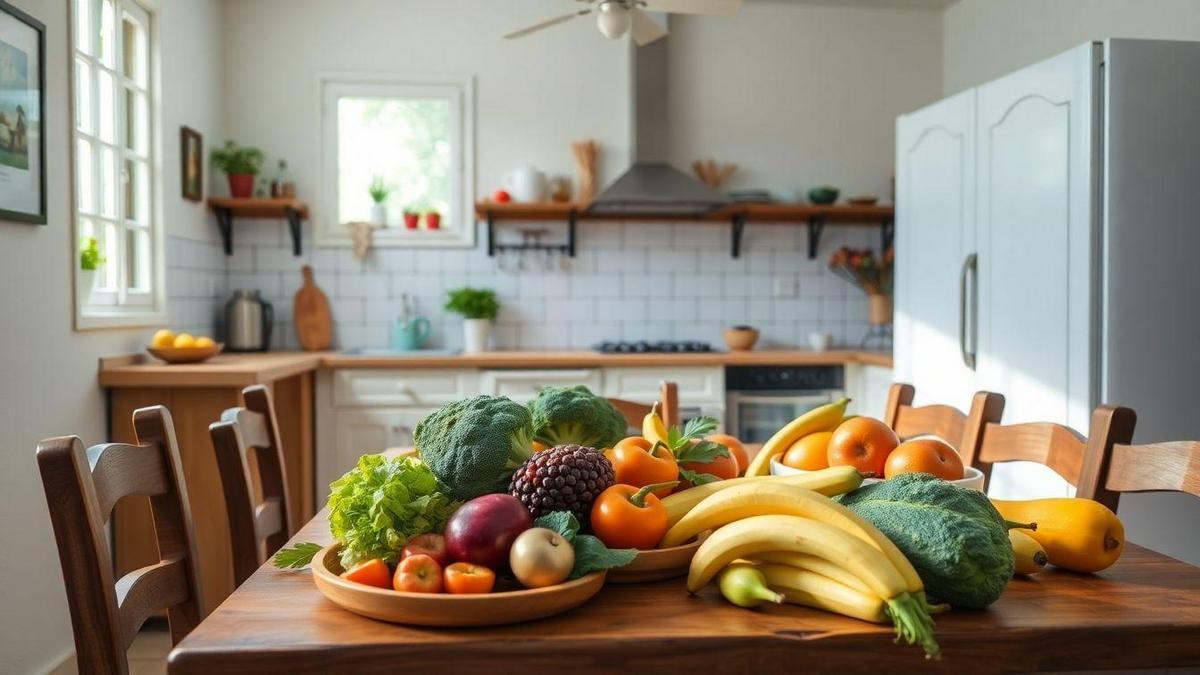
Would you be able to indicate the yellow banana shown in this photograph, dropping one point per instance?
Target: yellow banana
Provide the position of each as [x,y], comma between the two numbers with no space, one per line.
[760,499]
[758,534]
[804,587]
[653,428]
[814,564]
[1029,554]
[833,481]
[824,418]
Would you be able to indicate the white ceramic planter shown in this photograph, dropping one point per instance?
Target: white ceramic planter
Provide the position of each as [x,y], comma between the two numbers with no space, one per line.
[378,214]
[476,333]
[85,281]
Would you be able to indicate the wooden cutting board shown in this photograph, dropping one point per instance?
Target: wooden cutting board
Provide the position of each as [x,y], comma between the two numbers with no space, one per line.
[310,312]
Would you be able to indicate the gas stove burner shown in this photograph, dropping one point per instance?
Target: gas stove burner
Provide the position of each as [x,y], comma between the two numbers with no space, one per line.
[660,347]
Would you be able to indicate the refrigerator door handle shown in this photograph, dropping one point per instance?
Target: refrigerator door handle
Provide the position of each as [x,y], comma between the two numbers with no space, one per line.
[968,269]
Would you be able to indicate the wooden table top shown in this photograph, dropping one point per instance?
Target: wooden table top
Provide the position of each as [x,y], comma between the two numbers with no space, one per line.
[1144,612]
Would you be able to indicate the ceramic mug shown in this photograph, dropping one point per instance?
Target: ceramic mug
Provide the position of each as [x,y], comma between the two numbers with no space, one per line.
[820,342]
[410,336]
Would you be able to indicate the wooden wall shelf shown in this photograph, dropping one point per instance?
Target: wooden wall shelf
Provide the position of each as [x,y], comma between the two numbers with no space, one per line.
[738,216]
[293,210]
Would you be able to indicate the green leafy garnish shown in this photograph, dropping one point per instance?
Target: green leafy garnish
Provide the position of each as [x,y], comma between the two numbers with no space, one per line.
[296,557]
[591,555]
[689,447]
[382,503]
[697,478]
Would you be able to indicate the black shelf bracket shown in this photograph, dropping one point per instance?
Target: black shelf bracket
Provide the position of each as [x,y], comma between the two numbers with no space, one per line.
[572,223]
[569,248]
[888,232]
[491,234]
[816,227]
[293,219]
[737,227]
[225,224]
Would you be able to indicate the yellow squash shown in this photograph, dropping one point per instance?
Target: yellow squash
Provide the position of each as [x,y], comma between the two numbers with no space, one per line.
[1077,534]
[1029,555]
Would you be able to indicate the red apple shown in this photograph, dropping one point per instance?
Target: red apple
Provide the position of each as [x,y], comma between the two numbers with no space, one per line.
[482,530]
[432,545]
[501,197]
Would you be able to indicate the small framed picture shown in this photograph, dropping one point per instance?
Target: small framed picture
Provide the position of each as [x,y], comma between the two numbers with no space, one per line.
[22,125]
[191,145]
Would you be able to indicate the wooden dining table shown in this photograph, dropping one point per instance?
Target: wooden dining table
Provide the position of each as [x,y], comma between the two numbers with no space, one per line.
[1143,612]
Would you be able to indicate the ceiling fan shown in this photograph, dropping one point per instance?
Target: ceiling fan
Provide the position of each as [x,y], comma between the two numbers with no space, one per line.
[615,18]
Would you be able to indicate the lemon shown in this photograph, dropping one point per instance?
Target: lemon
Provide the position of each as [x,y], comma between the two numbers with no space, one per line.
[184,341]
[205,342]
[163,338]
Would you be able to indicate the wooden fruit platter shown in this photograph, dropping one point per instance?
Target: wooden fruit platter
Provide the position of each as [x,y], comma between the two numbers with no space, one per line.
[656,564]
[440,609]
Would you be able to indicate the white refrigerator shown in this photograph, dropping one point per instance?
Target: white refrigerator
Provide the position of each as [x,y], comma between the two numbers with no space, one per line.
[1047,247]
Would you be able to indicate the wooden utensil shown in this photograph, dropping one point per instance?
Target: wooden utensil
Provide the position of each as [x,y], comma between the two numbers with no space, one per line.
[310,312]
[442,609]
[586,154]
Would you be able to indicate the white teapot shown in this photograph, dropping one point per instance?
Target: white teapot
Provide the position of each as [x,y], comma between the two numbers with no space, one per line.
[526,184]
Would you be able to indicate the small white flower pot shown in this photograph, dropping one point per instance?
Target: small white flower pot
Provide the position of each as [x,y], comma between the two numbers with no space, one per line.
[85,281]
[476,333]
[378,214]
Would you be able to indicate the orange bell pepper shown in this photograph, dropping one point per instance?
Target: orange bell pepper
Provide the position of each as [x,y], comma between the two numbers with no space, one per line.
[625,516]
[638,463]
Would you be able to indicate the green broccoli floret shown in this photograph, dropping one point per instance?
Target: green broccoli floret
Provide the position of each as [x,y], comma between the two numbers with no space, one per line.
[474,445]
[575,415]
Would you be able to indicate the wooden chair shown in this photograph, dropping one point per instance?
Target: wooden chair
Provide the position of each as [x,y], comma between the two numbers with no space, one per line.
[82,485]
[668,406]
[1172,466]
[257,529]
[1083,462]
[964,432]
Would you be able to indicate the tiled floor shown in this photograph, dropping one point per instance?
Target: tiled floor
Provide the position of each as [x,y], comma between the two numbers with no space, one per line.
[147,655]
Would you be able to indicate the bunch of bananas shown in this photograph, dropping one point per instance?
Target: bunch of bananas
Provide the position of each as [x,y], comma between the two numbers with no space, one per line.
[776,539]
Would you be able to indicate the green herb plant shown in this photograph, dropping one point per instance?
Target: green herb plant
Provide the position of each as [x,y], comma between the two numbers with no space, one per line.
[591,555]
[378,190]
[89,254]
[473,303]
[233,159]
[689,447]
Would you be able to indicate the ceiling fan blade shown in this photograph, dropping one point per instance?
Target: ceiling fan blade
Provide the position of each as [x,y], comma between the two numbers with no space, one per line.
[645,29]
[710,7]
[547,24]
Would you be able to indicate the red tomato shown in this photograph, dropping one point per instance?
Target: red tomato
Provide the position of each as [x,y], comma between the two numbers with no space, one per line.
[501,197]
[464,578]
[418,574]
[432,545]
[373,572]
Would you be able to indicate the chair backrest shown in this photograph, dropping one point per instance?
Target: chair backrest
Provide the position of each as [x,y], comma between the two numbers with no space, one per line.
[82,486]
[668,406]
[964,432]
[257,528]
[1170,466]
[1081,461]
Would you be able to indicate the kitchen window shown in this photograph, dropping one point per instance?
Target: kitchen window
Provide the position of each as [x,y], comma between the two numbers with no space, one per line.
[115,172]
[412,135]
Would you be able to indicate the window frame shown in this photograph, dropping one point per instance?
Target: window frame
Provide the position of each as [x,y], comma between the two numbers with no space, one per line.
[327,230]
[124,307]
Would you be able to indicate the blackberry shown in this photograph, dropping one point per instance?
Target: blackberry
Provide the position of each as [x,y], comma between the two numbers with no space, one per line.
[562,478]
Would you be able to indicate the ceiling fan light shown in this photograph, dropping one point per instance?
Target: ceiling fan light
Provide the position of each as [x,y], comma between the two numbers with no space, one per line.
[613,19]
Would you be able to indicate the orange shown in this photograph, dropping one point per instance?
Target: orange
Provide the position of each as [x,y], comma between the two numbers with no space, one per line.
[863,443]
[735,447]
[924,455]
[808,453]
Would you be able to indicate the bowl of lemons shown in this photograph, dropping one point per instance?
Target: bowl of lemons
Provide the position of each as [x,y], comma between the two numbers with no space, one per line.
[183,348]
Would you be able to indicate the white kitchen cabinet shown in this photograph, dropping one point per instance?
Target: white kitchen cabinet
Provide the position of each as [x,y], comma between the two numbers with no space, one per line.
[935,242]
[365,431]
[403,386]
[696,384]
[523,385]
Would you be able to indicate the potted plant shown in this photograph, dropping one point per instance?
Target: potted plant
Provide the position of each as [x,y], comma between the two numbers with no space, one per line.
[478,308]
[379,192]
[411,219]
[433,220]
[90,259]
[240,164]
[874,277]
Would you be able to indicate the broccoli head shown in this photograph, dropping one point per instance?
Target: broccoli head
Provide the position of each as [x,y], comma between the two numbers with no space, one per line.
[566,415]
[474,445]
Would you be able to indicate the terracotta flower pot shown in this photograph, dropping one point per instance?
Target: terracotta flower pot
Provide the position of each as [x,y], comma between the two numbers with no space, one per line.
[411,220]
[433,221]
[879,310]
[241,185]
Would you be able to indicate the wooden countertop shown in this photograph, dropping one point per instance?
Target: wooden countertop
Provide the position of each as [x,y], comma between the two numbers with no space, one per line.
[237,370]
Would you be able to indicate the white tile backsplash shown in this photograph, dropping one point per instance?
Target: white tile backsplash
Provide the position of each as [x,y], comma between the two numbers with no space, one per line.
[631,281]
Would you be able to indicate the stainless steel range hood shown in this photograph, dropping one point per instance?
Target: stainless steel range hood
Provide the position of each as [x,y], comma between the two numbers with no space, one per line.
[652,187]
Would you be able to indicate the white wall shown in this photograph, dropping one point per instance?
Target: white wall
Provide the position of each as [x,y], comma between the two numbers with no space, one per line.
[800,95]
[48,371]
[984,39]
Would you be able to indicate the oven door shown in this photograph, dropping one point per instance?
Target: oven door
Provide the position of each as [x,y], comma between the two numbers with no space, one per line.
[755,416]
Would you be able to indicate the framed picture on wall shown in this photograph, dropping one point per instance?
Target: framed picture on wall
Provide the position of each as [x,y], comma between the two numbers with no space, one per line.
[22,124]
[191,149]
